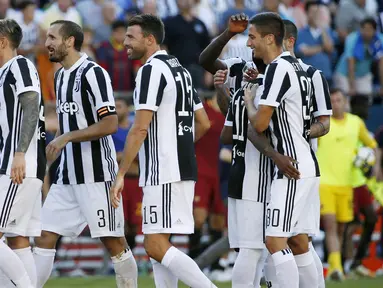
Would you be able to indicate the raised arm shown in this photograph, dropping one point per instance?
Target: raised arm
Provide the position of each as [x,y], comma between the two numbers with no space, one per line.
[209,57]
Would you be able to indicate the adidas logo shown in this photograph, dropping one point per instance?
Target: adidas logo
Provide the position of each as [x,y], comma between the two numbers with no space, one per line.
[179,221]
[13,222]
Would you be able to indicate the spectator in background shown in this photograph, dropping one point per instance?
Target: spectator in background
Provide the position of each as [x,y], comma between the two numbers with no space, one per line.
[315,43]
[103,31]
[353,71]
[273,6]
[349,15]
[31,33]
[185,38]
[238,8]
[203,7]
[132,193]
[91,12]
[112,56]
[165,8]
[87,45]
[60,10]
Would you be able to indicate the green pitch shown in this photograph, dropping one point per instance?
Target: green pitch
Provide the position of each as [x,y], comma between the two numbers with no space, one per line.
[147,282]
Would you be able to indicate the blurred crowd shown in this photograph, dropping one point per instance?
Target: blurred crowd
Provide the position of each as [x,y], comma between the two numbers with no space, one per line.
[342,38]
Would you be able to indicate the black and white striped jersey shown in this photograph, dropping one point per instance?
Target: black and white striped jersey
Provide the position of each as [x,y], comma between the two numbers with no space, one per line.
[84,96]
[321,102]
[165,87]
[235,68]
[250,171]
[18,76]
[288,88]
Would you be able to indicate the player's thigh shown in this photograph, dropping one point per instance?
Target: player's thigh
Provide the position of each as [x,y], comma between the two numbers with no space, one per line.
[310,223]
[288,205]
[168,208]
[362,198]
[61,213]
[345,205]
[203,193]
[327,200]
[17,204]
[103,219]
[251,224]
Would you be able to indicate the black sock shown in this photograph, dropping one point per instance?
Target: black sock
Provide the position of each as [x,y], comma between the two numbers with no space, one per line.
[215,235]
[195,243]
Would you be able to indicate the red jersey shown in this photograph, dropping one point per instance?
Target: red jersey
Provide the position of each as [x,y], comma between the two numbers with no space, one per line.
[207,148]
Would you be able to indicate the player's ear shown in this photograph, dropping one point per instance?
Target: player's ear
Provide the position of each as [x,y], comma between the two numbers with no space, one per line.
[269,39]
[69,42]
[151,40]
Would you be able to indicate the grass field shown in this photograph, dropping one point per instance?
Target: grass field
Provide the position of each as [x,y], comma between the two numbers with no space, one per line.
[147,282]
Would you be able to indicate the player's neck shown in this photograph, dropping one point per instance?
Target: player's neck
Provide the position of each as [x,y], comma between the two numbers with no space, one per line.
[70,60]
[339,116]
[273,53]
[123,123]
[149,53]
[8,55]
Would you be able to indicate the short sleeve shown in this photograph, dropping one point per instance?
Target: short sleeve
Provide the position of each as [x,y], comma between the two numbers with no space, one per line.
[276,85]
[150,86]
[234,69]
[197,103]
[321,100]
[100,87]
[229,116]
[25,75]
[349,45]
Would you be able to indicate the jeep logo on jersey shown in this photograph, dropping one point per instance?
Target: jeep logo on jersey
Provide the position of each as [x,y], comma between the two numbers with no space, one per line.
[78,79]
[40,134]
[67,107]
[237,152]
[182,129]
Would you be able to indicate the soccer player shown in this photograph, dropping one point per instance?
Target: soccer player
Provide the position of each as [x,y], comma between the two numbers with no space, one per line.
[166,106]
[22,160]
[285,109]
[336,153]
[80,196]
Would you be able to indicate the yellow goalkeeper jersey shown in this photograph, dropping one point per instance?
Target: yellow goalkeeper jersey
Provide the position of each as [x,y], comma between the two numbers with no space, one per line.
[337,150]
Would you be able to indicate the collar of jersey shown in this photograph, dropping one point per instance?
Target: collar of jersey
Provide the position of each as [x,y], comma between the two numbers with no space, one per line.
[285,53]
[9,62]
[78,63]
[159,52]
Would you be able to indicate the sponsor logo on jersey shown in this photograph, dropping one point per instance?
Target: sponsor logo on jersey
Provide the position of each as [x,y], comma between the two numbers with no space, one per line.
[183,128]
[67,107]
[40,133]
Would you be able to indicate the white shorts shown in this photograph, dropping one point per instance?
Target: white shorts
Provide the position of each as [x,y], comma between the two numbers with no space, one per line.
[168,208]
[290,206]
[20,207]
[69,208]
[246,223]
[313,219]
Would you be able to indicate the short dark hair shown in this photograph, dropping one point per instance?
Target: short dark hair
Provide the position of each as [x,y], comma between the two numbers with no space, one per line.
[370,21]
[270,23]
[290,29]
[311,3]
[71,29]
[25,3]
[150,25]
[119,24]
[12,31]
[336,90]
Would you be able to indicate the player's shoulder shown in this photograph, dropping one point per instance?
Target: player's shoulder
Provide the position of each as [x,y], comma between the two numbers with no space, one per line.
[89,67]
[23,63]
[310,70]
[235,62]
[354,117]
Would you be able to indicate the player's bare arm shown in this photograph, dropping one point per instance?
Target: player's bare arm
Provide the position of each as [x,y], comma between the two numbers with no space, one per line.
[227,135]
[30,104]
[106,126]
[223,97]
[321,127]
[134,141]
[209,57]
[202,124]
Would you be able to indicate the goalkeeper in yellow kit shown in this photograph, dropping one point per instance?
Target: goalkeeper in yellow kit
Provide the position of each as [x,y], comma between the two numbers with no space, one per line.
[336,153]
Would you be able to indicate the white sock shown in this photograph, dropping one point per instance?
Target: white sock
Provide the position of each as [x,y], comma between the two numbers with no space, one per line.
[126,270]
[260,266]
[308,274]
[163,277]
[44,259]
[318,265]
[270,273]
[185,269]
[245,267]
[286,269]
[13,268]
[26,256]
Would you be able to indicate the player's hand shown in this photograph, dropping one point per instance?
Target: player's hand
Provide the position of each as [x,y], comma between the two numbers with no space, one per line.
[55,146]
[220,78]
[238,23]
[250,75]
[115,191]
[250,92]
[18,168]
[285,165]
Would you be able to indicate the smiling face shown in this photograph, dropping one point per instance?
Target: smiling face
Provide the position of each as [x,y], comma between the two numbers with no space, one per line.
[135,42]
[56,45]
[256,42]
